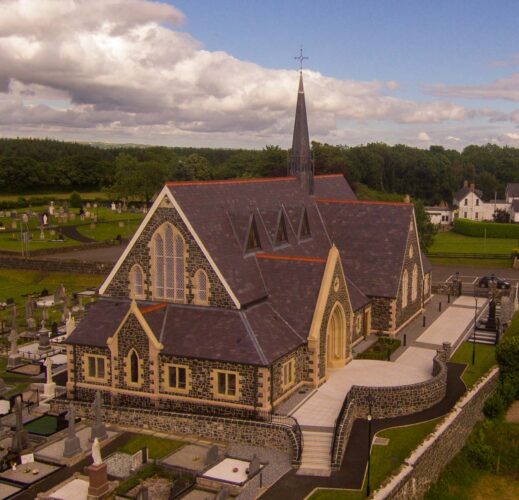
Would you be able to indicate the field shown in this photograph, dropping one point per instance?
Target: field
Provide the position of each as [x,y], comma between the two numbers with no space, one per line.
[110,230]
[385,459]
[450,242]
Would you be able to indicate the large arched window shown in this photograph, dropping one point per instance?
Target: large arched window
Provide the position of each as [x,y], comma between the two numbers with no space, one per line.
[137,282]
[168,260]
[336,338]
[405,288]
[414,283]
[134,368]
[201,286]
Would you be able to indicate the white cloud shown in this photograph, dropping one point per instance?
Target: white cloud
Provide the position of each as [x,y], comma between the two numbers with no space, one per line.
[513,135]
[424,136]
[120,70]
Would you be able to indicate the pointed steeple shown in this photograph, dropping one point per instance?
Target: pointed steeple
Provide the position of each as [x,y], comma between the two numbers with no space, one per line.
[300,163]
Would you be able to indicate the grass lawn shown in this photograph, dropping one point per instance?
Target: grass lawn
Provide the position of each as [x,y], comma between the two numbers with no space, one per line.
[16,283]
[452,242]
[385,460]
[463,479]
[157,447]
[485,359]
[110,230]
[12,243]
[486,263]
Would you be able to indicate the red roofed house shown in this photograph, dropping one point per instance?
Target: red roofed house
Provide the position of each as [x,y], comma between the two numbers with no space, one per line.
[232,295]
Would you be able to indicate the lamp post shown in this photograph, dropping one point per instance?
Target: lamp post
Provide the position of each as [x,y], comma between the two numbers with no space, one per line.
[371,400]
[474,334]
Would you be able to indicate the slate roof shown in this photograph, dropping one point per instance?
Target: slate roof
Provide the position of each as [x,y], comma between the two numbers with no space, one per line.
[220,212]
[464,191]
[371,238]
[257,335]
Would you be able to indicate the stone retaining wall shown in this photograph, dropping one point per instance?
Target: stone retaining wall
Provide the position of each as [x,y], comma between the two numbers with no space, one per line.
[276,435]
[64,266]
[426,463]
[390,401]
[404,399]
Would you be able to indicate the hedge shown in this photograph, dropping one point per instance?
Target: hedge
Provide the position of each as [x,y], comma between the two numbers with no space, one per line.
[493,229]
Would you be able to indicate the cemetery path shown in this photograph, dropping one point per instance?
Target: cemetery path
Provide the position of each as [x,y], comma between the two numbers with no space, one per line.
[72,233]
[353,468]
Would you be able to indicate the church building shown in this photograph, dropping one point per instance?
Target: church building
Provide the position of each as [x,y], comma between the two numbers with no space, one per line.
[234,294]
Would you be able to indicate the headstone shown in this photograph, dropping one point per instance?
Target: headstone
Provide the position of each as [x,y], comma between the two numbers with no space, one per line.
[25,219]
[113,206]
[29,308]
[49,388]
[98,485]
[20,440]
[88,204]
[14,358]
[51,208]
[43,338]
[98,428]
[70,325]
[212,455]
[254,466]
[59,294]
[71,445]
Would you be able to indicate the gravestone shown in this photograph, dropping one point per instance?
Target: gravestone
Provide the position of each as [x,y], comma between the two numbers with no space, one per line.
[20,439]
[43,338]
[14,358]
[113,207]
[51,208]
[254,466]
[98,427]
[59,294]
[49,388]
[71,445]
[212,455]
[98,485]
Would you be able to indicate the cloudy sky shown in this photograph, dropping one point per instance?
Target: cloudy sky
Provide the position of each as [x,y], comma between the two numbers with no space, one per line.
[222,73]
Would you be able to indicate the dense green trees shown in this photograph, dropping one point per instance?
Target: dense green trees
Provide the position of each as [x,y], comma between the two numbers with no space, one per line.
[30,166]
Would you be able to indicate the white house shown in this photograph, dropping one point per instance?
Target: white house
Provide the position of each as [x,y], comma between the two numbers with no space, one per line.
[440,214]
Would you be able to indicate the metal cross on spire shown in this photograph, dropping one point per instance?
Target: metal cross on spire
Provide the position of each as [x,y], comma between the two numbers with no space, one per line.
[301,58]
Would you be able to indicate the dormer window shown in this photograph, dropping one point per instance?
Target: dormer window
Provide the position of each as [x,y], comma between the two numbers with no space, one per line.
[281,233]
[304,231]
[253,241]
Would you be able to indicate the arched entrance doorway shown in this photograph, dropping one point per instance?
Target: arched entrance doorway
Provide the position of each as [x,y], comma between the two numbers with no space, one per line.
[336,338]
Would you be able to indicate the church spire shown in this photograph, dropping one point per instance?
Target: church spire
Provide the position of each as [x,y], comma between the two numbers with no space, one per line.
[300,163]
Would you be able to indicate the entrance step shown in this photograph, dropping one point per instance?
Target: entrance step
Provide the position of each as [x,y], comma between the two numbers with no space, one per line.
[316,457]
[483,337]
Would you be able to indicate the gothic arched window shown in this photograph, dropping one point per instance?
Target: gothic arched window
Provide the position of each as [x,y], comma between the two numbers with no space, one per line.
[405,287]
[414,283]
[137,282]
[134,368]
[201,288]
[168,261]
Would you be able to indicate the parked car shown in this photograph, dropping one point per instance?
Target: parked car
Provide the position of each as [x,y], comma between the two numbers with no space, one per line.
[484,282]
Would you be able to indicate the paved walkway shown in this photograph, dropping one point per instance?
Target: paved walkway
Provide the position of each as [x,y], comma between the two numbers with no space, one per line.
[353,468]
[323,406]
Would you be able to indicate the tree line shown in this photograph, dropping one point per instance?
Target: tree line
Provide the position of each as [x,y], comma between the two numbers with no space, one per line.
[431,175]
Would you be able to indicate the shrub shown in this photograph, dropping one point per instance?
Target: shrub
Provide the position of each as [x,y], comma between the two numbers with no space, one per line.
[490,229]
[479,453]
[494,406]
[75,200]
[507,356]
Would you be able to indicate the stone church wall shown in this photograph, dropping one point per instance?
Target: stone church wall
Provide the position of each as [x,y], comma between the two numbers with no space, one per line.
[341,296]
[426,463]
[403,314]
[301,372]
[381,313]
[140,254]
